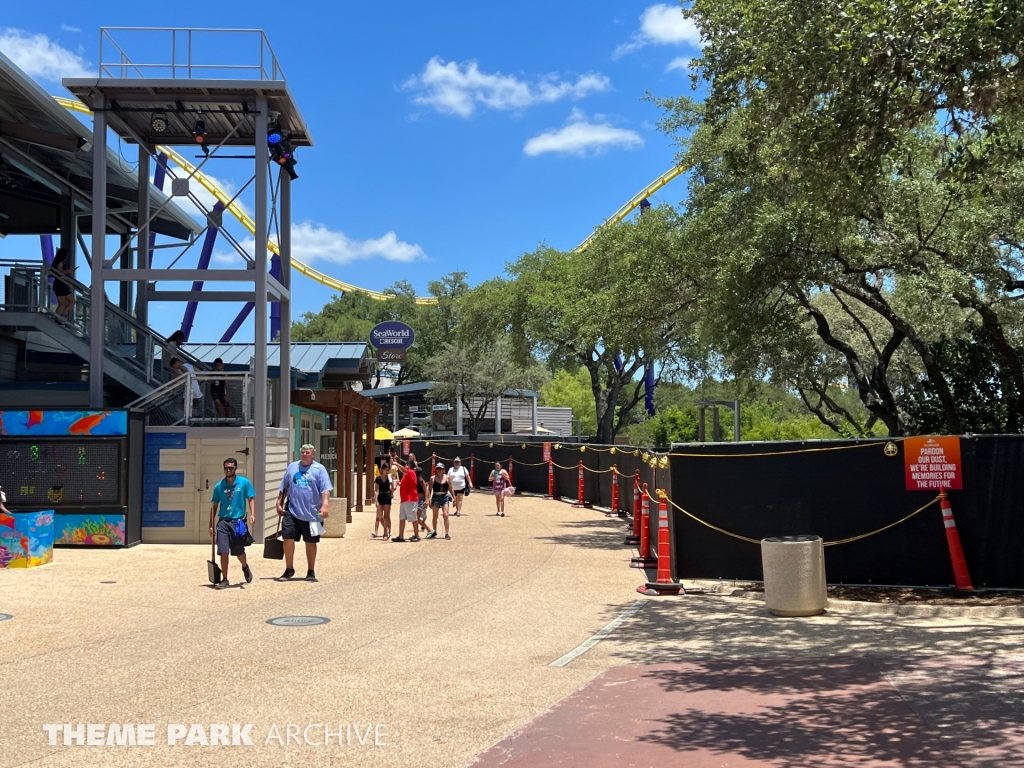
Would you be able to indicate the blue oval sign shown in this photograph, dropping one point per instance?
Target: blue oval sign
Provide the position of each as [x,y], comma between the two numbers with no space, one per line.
[392,335]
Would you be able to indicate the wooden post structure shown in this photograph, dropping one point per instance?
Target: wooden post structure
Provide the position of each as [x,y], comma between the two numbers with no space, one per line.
[371,451]
[359,462]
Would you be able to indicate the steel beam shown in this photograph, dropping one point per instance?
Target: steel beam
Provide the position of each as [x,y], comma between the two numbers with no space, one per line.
[234,296]
[285,338]
[260,336]
[98,292]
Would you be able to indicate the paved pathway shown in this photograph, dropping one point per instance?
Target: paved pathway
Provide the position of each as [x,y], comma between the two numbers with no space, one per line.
[448,645]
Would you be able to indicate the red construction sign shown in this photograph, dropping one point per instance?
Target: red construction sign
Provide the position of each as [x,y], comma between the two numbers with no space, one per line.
[547,451]
[406,446]
[933,463]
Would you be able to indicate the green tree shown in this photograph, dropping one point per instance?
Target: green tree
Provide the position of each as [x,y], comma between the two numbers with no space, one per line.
[572,390]
[478,376]
[610,310]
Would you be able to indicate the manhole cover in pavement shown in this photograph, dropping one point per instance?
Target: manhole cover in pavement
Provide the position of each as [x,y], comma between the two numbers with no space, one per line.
[6,616]
[298,621]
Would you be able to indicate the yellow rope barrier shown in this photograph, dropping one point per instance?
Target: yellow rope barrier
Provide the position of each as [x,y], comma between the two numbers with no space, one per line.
[662,494]
[783,453]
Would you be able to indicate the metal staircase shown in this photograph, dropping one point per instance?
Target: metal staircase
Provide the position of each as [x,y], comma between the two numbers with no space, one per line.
[137,356]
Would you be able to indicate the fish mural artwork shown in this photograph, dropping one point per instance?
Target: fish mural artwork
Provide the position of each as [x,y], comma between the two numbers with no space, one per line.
[86,424]
[91,530]
[29,541]
[60,423]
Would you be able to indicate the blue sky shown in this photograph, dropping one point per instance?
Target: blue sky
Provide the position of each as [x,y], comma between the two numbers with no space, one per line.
[449,136]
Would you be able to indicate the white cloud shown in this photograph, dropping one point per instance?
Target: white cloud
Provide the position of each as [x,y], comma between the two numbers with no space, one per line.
[39,56]
[312,241]
[580,137]
[682,64]
[661,25]
[456,89]
[69,28]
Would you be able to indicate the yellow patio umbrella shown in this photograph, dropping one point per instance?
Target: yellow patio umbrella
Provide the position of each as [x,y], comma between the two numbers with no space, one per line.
[381,433]
[406,432]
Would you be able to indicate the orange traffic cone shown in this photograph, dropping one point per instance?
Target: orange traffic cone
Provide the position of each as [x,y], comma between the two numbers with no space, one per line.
[664,585]
[961,577]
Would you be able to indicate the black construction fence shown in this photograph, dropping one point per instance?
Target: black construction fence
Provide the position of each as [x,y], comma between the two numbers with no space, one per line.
[726,497]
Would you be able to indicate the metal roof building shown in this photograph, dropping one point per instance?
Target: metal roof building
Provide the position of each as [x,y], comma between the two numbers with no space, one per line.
[327,364]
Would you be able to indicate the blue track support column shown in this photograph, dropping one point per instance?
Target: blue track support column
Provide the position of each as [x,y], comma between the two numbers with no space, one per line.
[229,334]
[204,262]
[649,389]
[275,306]
[46,243]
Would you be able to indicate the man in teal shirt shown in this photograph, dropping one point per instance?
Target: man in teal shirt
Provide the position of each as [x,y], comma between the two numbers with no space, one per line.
[231,496]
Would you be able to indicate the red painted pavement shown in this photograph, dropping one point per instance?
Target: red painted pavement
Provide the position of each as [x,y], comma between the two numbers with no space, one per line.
[807,713]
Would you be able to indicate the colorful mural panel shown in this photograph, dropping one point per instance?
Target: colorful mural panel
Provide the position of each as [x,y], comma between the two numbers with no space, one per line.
[26,539]
[90,530]
[64,423]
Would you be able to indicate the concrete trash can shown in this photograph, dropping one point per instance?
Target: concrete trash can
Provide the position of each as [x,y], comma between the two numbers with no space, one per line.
[794,575]
[334,525]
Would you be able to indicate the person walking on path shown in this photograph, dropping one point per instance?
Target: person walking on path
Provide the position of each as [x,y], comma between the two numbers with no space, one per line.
[307,487]
[408,510]
[440,499]
[385,494]
[421,486]
[499,480]
[458,478]
[61,267]
[232,496]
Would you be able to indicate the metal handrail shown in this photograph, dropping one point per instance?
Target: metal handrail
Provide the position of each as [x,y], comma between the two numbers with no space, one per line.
[125,65]
[149,338]
[173,401]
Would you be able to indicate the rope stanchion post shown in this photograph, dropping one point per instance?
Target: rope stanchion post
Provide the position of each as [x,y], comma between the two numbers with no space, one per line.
[634,538]
[472,462]
[433,464]
[644,559]
[961,576]
[580,501]
[510,462]
[664,585]
[551,480]
[614,492]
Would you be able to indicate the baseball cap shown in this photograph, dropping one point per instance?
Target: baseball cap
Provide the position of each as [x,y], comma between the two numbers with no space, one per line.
[456,459]
[440,466]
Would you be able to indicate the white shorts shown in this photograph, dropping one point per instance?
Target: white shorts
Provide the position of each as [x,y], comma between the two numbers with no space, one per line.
[407,511]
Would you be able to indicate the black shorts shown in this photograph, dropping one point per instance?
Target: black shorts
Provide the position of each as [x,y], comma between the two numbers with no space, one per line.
[293,529]
[60,288]
[384,501]
[227,541]
[458,492]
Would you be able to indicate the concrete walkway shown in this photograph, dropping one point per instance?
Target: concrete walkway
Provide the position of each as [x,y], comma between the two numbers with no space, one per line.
[447,646]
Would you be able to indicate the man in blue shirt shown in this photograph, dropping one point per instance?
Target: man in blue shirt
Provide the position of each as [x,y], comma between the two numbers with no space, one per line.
[307,487]
[231,496]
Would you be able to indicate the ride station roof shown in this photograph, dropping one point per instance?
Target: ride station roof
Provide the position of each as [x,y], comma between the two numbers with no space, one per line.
[46,152]
[327,363]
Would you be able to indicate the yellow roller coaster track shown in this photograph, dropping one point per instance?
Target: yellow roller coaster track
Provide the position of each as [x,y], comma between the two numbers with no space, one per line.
[76,106]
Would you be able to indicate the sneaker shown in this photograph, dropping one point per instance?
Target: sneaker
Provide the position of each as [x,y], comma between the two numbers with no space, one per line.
[447,537]
[415,538]
[398,540]
[374,535]
[247,572]
[311,576]
[432,535]
[222,584]
[288,573]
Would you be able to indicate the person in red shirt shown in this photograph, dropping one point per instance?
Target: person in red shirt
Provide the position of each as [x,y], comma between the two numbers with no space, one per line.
[409,495]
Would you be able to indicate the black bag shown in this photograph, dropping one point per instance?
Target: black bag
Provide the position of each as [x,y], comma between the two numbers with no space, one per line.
[212,567]
[273,546]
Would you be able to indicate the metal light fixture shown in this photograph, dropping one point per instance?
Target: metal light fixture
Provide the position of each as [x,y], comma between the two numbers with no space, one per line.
[158,122]
[199,131]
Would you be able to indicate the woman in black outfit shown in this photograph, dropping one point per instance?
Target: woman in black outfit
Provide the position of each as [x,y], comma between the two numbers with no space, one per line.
[440,498]
[61,266]
[385,490]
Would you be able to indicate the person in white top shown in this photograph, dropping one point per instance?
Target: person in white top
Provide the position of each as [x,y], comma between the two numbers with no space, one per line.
[458,480]
[179,368]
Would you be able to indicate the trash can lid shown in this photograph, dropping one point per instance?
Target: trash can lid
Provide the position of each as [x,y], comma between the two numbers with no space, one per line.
[791,539]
